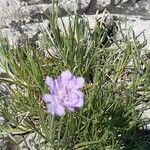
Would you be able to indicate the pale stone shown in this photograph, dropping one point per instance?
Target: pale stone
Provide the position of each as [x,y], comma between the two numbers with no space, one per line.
[103,3]
[74,5]
[7,7]
[12,35]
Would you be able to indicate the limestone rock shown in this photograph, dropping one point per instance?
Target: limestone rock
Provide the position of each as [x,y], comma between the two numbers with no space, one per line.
[25,32]
[98,5]
[121,1]
[124,1]
[103,3]
[14,37]
[144,109]
[74,5]
[30,30]
[32,2]
[139,25]
[36,11]
[8,10]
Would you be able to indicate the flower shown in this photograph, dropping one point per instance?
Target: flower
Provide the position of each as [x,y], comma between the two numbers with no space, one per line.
[64,93]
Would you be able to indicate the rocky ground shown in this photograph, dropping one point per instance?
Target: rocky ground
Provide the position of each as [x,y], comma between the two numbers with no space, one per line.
[21,20]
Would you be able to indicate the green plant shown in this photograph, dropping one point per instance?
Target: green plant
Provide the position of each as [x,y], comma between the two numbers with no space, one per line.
[108,119]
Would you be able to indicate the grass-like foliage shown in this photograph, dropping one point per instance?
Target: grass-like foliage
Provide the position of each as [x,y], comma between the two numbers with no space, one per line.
[115,83]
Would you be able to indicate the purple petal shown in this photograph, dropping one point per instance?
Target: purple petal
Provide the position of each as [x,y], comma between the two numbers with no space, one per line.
[72,82]
[70,108]
[59,110]
[79,83]
[66,75]
[64,92]
[56,86]
[49,81]
[71,101]
[56,83]
[50,108]
[79,94]
[59,82]
[79,103]
[48,98]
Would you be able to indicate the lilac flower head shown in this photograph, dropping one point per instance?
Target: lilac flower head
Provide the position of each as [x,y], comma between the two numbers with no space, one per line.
[64,93]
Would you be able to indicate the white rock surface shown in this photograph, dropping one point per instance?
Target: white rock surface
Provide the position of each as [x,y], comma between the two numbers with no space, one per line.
[12,35]
[103,3]
[32,2]
[17,17]
[74,5]
[8,10]
[139,25]
[145,114]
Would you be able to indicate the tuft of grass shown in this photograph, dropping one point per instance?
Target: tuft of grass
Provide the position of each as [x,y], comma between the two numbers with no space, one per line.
[116,83]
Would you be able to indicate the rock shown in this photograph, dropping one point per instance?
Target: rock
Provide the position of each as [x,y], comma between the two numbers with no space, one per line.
[25,32]
[14,37]
[121,1]
[144,109]
[33,10]
[139,25]
[100,5]
[19,32]
[8,10]
[124,1]
[74,5]
[33,2]
[17,17]
[30,30]
[117,2]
